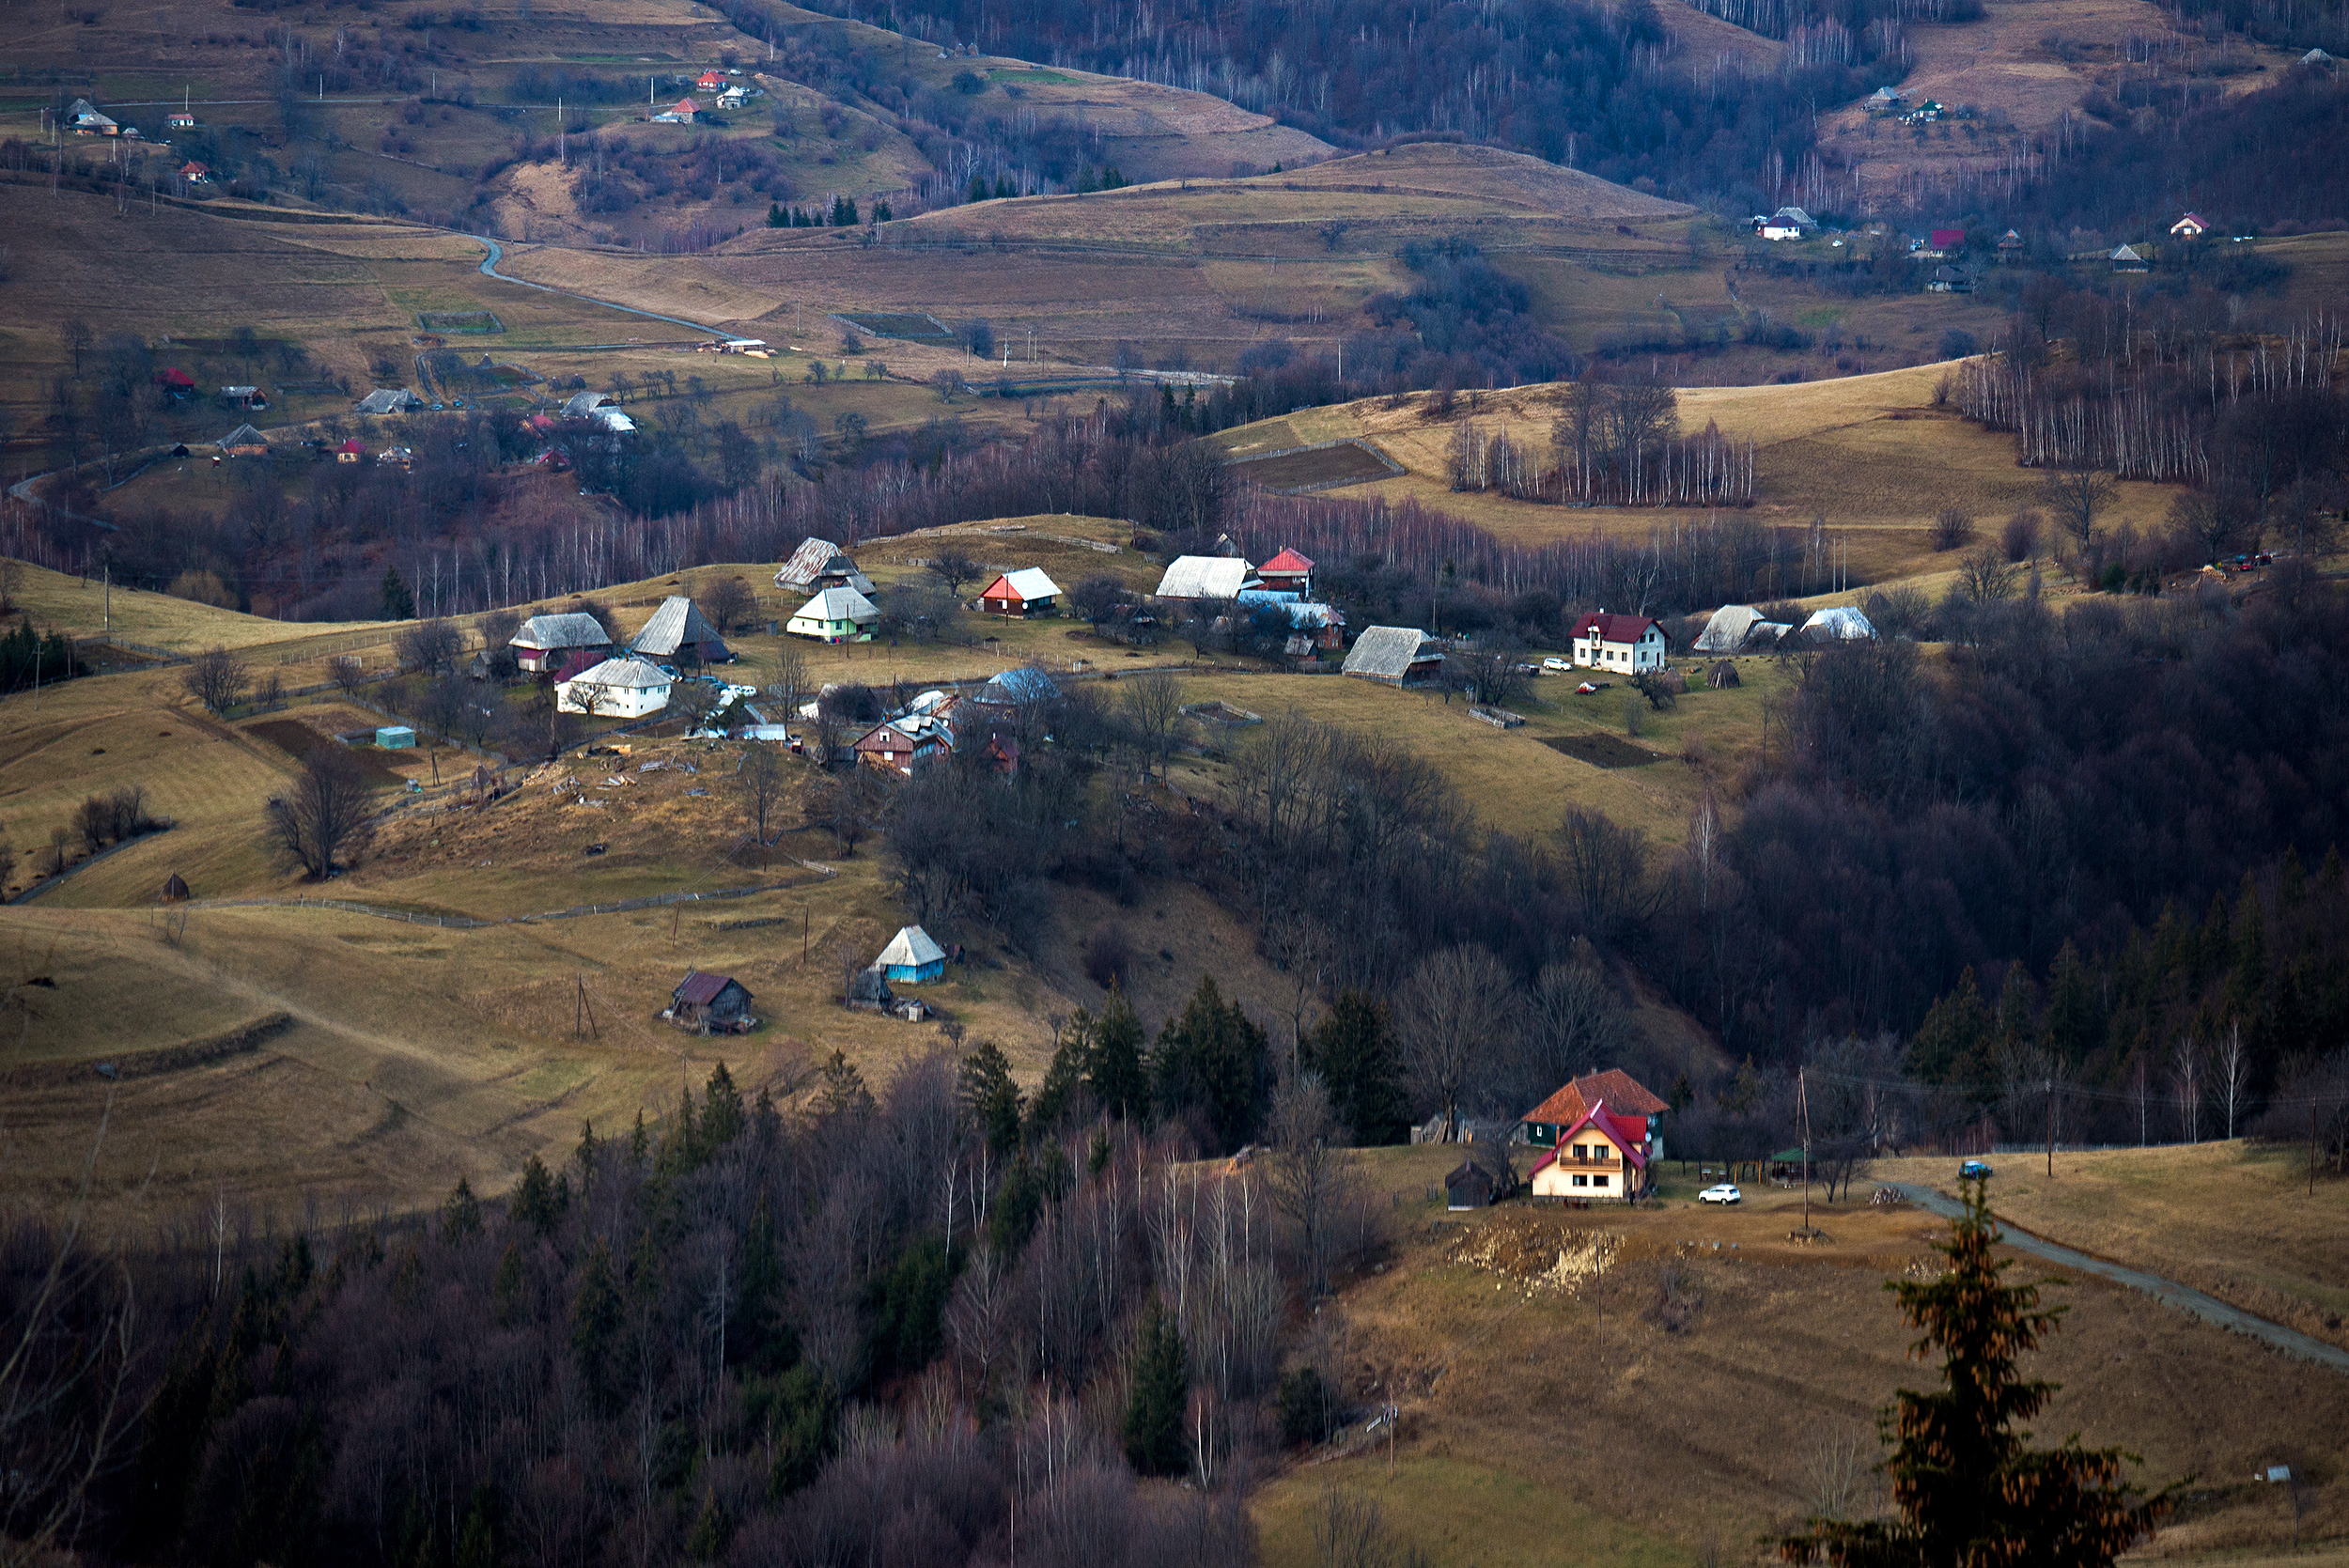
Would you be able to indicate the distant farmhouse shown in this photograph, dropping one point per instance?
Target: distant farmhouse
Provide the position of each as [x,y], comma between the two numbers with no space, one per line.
[1394,656]
[560,645]
[1625,643]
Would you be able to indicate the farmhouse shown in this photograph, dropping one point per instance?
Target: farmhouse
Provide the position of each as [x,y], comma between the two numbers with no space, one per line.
[1627,1094]
[177,383]
[911,956]
[388,399]
[1018,688]
[1599,1156]
[1288,572]
[679,113]
[1787,222]
[2191,226]
[835,615]
[709,81]
[1943,241]
[179,119]
[1626,643]
[902,745]
[1027,591]
[86,120]
[244,396]
[1395,655]
[1322,626]
[559,645]
[679,630]
[615,689]
[1206,577]
[354,450]
[818,563]
[2010,247]
[244,441]
[712,1004]
[196,173]
[2126,260]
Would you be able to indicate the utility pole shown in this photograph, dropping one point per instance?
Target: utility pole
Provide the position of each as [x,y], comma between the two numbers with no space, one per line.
[2051,1125]
[1802,1100]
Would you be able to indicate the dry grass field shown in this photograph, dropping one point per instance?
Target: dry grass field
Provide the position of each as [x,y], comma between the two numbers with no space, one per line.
[2234,1219]
[1871,455]
[1547,1418]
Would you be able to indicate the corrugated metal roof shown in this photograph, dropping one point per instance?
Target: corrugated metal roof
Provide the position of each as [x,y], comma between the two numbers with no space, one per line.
[700,990]
[1205,577]
[627,673]
[1287,563]
[1842,623]
[576,630]
[1726,632]
[1022,685]
[1027,585]
[806,563]
[912,945]
[837,604]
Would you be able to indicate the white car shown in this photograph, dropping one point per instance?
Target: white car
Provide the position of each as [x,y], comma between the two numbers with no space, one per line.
[1725,1193]
[1558,664]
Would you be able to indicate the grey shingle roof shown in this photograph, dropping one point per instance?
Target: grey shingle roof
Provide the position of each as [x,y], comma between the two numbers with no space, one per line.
[677,622]
[578,631]
[1387,652]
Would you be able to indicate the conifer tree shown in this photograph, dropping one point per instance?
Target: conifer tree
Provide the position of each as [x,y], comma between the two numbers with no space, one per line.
[1948,1046]
[539,1198]
[399,603]
[1970,1494]
[505,1291]
[1114,1066]
[722,1110]
[990,1099]
[1214,1057]
[639,1141]
[596,1323]
[1354,1053]
[460,1216]
[1161,1388]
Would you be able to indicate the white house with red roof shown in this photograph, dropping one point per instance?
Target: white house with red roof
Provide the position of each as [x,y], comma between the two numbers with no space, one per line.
[2191,226]
[679,113]
[1288,572]
[710,81]
[1626,1096]
[1026,592]
[1598,1158]
[1625,645]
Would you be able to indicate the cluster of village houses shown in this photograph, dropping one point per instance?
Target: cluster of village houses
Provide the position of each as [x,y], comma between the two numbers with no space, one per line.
[1949,244]
[595,674]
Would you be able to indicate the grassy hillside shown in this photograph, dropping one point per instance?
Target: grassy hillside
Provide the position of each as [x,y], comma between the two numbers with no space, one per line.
[1549,1416]
[1871,454]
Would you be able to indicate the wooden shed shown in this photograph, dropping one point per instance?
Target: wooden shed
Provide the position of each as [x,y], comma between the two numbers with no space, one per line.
[174,890]
[712,1004]
[1470,1187]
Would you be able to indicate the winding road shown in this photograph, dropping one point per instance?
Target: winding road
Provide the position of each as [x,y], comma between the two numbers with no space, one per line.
[2167,1291]
[497,254]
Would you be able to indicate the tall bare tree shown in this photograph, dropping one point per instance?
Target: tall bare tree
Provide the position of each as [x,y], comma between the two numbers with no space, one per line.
[727,603]
[324,812]
[764,786]
[2076,497]
[216,677]
[1153,704]
[1307,1170]
[954,567]
[1451,1014]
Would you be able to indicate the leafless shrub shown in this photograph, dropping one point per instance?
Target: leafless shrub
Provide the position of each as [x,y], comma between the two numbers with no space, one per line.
[346,673]
[2019,539]
[1952,526]
[1108,955]
[1838,1475]
[1677,1301]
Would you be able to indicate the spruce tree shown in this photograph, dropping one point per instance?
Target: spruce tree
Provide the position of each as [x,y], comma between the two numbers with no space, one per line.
[1114,1067]
[1353,1052]
[596,1324]
[460,1216]
[540,1199]
[1969,1493]
[1213,1057]
[990,1099]
[722,1110]
[505,1291]
[399,603]
[1161,1388]
[1949,1045]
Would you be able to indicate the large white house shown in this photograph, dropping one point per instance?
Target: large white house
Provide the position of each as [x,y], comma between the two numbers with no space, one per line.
[1626,644]
[837,616]
[624,688]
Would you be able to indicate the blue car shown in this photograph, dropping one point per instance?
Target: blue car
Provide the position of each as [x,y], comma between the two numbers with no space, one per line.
[1973,1170]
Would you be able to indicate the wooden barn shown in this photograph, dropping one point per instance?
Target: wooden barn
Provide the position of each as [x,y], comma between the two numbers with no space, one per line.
[711,1003]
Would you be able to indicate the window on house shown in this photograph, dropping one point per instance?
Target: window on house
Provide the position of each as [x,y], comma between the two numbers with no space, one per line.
[1577,1151]
[1598,1181]
[1581,1181]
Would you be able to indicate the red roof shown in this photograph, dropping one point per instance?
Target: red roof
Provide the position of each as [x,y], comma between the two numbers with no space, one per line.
[1611,628]
[1948,238]
[354,444]
[1287,563]
[174,377]
[1630,1136]
[685,106]
[710,79]
[1613,1087]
